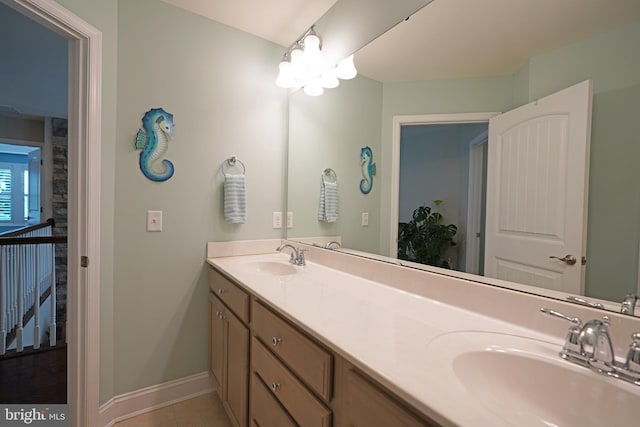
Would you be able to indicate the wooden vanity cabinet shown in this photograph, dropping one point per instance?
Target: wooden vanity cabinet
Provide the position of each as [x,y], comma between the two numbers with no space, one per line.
[229,350]
[294,380]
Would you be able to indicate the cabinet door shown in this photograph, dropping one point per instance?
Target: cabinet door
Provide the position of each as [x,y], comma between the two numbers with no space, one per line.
[216,342]
[237,366]
[368,405]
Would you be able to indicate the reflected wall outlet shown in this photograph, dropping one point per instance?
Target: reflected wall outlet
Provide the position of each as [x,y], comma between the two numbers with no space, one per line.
[277,220]
[289,219]
[154,220]
[365,219]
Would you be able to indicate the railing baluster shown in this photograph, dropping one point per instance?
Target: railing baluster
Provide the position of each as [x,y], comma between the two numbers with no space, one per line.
[13,286]
[52,324]
[36,305]
[19,346]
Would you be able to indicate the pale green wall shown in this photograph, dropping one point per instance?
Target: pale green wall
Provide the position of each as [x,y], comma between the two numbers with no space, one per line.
[328,132]
[218,83]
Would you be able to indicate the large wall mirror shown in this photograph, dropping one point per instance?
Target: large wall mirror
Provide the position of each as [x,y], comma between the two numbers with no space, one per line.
[431,83]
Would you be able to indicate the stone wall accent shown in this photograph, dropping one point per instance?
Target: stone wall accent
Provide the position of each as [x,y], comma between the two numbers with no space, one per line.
[59,209]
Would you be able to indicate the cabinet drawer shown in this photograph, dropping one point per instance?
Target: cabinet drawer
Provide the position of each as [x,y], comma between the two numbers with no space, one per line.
[305,409]
[234,297]
[309,361]
[265,410]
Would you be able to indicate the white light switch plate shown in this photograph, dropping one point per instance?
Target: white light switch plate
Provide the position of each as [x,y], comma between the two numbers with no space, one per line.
[365,219]
[289,219]
[154,220]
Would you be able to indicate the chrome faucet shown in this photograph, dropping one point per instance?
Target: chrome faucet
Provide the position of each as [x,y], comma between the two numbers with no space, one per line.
[297,255]
[334,243]
[590,345]
[629,304]
[596,344]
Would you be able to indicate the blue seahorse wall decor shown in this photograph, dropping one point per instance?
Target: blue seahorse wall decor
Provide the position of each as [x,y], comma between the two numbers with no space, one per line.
[153,140]
[368,170]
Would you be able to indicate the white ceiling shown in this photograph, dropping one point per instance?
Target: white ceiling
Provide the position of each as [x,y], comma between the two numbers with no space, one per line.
[447,38]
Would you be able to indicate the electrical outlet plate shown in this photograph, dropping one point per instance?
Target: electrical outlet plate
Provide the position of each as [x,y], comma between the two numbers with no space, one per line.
[277,220]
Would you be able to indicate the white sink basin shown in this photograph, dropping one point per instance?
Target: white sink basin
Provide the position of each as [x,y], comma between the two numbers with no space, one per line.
[524,382]
[273,268]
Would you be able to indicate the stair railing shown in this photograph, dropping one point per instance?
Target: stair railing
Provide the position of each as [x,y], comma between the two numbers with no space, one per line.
[27,278]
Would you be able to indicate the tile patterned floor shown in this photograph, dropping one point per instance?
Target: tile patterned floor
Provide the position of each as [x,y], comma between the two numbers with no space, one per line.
[202,411]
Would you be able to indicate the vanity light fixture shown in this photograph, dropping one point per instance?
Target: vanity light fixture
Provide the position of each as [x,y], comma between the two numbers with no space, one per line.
[303,65]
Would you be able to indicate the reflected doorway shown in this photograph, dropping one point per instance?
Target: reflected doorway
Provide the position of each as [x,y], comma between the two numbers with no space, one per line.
[442,169]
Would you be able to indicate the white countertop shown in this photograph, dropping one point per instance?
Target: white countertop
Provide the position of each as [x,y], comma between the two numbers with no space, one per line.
[382,330]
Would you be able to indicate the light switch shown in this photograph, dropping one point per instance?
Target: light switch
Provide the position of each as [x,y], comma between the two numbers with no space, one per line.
[365,219]
[289,219]
[154,220]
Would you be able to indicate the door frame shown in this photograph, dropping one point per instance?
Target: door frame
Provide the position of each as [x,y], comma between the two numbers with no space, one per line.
[421,119]
[83,244]
[477,148]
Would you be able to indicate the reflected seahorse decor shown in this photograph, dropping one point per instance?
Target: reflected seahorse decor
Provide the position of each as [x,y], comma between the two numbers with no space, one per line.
[368,170]
[153,140]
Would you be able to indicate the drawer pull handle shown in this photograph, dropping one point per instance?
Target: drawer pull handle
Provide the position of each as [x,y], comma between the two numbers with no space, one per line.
[220,291]
[275,341]
[275,386]
[220,315]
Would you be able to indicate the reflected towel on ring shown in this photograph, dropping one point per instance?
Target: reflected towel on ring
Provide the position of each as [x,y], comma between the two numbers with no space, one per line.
[235,199]
[328,208]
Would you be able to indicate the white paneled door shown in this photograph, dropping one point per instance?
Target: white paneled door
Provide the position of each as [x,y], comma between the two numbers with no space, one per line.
[537,186]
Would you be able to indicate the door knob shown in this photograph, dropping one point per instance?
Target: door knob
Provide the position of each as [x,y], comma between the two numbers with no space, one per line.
[567,259]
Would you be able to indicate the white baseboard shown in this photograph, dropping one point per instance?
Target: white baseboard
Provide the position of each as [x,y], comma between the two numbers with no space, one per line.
[147,399]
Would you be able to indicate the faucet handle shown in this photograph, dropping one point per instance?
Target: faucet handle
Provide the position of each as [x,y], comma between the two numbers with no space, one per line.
[572,345]
[575,320]
[301,260]
[629,304]
[632,365]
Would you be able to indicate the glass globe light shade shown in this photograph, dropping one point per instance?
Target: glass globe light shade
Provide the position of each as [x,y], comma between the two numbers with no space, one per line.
[329,79]
[285,76]
[312,56]
[346,69]
[314,88]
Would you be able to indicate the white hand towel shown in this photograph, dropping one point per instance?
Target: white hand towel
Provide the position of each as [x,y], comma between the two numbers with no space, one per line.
[328,208]
[235,199]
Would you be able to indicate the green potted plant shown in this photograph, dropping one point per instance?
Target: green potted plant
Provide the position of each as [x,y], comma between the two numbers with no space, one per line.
[424,239]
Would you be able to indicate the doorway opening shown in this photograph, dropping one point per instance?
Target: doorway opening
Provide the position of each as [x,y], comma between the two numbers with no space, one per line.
[442,168]
[84,79]
[453,176]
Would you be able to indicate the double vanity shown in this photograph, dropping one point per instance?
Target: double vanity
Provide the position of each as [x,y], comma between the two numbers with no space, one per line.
[346,341]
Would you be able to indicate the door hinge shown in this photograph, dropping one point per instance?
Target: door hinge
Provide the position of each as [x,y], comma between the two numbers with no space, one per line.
[84,261]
